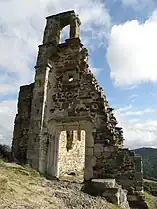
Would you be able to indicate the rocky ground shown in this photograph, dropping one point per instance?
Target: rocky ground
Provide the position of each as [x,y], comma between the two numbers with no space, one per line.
[23,188]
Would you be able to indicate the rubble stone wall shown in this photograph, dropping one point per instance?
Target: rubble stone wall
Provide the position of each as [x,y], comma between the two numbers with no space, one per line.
[120,164]
[72,156]
[22,122]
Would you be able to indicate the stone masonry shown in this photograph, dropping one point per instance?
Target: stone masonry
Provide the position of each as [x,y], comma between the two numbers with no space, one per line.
[65,100]
[71,155]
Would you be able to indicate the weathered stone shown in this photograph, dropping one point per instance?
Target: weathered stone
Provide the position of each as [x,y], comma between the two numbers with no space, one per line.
[98,149]
[101,184]
[111,191]
[66,98]
[117,196]
[89,151]
[106,154]
[110,149]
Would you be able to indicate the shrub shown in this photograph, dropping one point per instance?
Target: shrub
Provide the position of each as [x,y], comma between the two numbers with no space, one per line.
[151,187]
[5,152]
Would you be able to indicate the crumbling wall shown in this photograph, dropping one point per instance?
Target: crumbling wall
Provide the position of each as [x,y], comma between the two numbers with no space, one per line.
[120,164]
[72,154]
[66,91]
[22,122]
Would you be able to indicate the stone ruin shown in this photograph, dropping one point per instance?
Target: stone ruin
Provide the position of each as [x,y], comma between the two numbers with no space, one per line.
[65,126]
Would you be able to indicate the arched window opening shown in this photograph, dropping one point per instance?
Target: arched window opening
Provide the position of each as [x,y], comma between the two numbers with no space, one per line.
[65,34]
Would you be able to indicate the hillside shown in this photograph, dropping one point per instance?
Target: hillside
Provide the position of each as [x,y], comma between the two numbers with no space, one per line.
[149,156]
[23,187]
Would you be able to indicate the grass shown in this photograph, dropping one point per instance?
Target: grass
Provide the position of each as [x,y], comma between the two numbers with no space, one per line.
[151,200]
[20,186]
[23,187]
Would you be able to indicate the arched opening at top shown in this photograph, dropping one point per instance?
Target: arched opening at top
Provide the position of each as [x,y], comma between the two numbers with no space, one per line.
[65,34]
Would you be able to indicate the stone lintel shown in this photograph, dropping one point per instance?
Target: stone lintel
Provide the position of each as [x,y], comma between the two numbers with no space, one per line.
[78,124]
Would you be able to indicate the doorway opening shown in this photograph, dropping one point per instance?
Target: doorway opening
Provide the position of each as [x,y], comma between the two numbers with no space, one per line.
[71,155]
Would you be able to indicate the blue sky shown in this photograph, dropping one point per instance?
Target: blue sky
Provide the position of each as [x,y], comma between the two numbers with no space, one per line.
[121,36]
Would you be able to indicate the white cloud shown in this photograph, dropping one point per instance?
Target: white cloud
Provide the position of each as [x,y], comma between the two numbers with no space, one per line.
[131,53]
[7,113]
[127,112]
[133,97]
[137,132]
[130,87]
[21,29]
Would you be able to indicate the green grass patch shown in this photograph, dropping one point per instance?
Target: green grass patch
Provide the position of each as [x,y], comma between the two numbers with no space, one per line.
[151,201]
[151,187]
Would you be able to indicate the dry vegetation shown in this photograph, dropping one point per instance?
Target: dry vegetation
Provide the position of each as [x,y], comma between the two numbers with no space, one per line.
[22,187]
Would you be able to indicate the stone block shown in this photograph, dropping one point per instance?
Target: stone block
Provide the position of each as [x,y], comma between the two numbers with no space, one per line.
[117,196]
[93,162]
[138,163]
[89,151]
[90,160]
[138,176]
[110,149]
[89,140]
[88,173]
[106,154]
[102,184]
[98,149]
[134,198]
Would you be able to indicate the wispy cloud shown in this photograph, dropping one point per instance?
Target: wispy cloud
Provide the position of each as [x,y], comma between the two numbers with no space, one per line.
[130,87]
[138,4]
[137,131]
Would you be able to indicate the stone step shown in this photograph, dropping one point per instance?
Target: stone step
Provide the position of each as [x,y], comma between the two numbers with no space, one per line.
[113,192]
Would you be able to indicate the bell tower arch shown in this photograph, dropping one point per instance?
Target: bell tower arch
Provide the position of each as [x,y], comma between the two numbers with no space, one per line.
[55,25]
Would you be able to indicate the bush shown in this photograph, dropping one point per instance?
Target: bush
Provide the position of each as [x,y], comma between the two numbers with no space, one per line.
[151,187]
[5,152]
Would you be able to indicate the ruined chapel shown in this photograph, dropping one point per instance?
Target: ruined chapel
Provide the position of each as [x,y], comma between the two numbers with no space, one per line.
[64,124]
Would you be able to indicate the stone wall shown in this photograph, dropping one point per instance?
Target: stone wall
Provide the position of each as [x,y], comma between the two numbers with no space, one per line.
[71,156]
[22,122]
[66,92]
[120,164]
[44,80]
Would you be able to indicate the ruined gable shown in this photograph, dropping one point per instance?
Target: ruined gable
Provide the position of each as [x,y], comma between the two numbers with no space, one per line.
[65,100]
